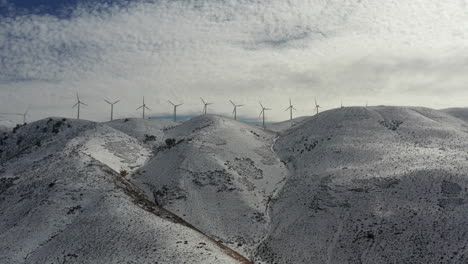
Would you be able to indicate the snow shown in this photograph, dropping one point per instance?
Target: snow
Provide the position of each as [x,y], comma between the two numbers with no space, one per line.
[368,185]
[372,185]
[220,175]
[63,202]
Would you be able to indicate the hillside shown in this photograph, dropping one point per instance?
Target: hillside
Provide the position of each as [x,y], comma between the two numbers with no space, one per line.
[460,113]
[349,185]
[63,201]
[372,185]
[218,174]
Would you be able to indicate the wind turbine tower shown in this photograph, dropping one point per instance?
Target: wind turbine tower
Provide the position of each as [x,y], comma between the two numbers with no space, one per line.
[235,109]
[175,109]
[205,105]
[112,107]
[290,108]
[25,114]
[143,107]
[263,113]
[317,106]
[78,104]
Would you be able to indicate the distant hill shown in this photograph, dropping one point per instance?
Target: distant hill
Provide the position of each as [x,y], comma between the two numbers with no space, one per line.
[460,113]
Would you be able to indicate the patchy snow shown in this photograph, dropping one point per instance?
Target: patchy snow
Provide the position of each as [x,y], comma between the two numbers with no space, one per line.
[61,202]
[288,124]
[220,175]
[150,131]
[372,185]
[113,148]
[350,185]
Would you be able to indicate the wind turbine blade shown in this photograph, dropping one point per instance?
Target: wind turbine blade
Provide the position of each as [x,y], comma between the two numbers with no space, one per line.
[261,104]
[107,101]
[209,103]
[139,107]
[315,101]
[178,105]
[203,100]
[294,109]
[171,102]
[288,108]
[116,101]
[75,105]
[147,108]
[232,103]
[261,112]
[290,102]
[83,103]
[77,97]
[267,108]
[239,105]
[233,111]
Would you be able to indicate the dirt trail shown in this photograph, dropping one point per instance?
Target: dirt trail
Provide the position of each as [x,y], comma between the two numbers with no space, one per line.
[140,199]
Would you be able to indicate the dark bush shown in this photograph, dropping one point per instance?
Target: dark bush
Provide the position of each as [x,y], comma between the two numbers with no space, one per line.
[123,173]
[170,142]
[149,138]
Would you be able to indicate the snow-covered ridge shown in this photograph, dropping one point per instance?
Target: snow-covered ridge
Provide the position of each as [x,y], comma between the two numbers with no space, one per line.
[369,185]
[62,194]
[372,185]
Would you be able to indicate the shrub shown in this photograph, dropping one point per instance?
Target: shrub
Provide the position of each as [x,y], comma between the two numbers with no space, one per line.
[123,173]
[170,142]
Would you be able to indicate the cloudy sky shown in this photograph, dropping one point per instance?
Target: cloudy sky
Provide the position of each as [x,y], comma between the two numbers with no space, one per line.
[394,52]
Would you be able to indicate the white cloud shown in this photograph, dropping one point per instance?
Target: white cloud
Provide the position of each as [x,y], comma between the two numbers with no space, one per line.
[393,52]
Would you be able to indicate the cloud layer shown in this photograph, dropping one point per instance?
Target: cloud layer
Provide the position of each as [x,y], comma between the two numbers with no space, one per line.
[392,52]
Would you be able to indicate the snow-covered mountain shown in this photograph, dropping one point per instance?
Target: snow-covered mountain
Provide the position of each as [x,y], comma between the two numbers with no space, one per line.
[372,185]
[218,174]
[350,185]
[64,199]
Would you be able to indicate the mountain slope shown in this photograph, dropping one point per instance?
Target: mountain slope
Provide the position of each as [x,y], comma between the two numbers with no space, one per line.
[372,185]
[150,131]
[460,113]
[63,202]
[218,174]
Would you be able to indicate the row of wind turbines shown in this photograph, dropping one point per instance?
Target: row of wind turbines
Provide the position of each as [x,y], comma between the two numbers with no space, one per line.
[143,107]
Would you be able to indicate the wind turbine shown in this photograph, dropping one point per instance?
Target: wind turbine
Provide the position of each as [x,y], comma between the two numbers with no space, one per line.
[112,107]
[316,107]
[205,105]
[143,106]
[235,109]
[78,103]
[175,109]
[290,108]
[25,114]
[263,113]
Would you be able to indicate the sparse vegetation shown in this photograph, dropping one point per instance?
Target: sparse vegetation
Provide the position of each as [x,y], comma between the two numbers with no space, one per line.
[123,173]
